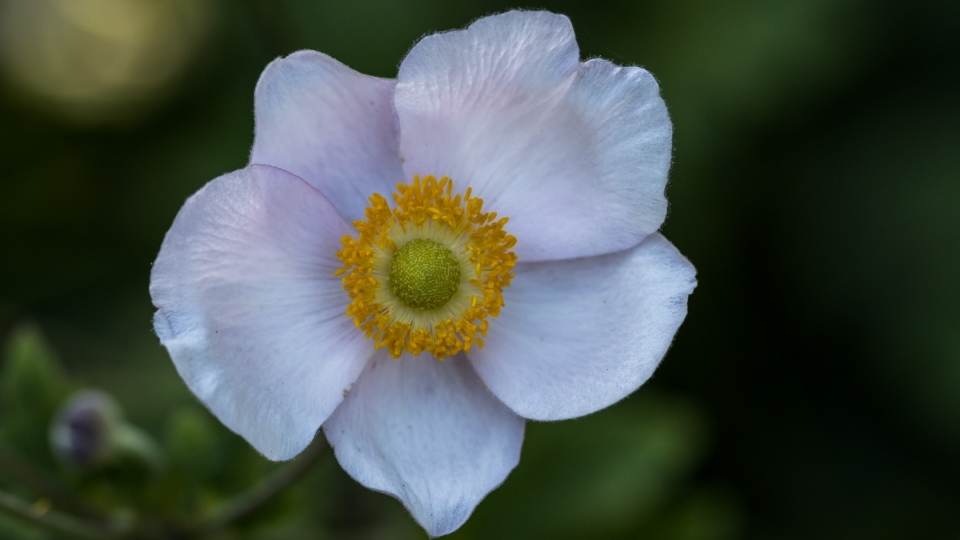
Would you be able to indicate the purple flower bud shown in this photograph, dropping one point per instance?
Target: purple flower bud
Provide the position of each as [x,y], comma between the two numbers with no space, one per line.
[80,434]
[89,432]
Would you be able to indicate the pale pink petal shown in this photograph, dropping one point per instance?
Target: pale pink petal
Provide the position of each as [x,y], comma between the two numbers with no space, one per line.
[576,155]
[428,433]
[250,311]
[329,125]
[578,335]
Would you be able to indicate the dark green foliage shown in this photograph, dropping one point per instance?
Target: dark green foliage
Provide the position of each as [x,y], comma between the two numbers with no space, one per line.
[811,393]
[605,476]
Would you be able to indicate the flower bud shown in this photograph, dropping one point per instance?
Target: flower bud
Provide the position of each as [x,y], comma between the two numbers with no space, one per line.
[89,432]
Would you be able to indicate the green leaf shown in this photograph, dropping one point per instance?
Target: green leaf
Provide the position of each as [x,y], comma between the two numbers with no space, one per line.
[192,445]
[704,514]
[598,476]
[32,385]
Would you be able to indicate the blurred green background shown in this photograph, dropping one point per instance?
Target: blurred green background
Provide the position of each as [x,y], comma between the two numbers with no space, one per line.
[812,393]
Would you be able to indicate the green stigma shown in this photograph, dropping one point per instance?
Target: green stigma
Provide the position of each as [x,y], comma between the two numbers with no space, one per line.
[424,274]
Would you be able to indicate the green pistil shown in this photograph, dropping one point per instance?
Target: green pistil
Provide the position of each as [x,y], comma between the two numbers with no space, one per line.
[424,274]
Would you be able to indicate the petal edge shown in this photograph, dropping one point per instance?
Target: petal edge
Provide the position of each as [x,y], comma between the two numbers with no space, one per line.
[330,125]
[575,154]
[427,433]
[249,309]
[578,335]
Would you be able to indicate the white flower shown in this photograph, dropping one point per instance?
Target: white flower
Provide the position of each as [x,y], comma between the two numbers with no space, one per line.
[250,280]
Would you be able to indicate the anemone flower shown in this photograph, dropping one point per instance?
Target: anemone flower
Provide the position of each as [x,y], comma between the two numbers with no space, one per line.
[418,265]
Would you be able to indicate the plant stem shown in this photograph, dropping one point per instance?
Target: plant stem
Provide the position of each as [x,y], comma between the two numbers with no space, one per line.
[55,521]
[248,502]
[41,483]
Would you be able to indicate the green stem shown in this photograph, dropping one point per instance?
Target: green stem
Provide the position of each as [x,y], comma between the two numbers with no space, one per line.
[55,521]
[134,442]
[41,483]
[248,502]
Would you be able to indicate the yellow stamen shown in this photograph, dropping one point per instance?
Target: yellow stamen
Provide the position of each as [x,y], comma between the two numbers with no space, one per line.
[427,210]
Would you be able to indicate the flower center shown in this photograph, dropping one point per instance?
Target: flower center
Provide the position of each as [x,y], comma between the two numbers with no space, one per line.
[424,274]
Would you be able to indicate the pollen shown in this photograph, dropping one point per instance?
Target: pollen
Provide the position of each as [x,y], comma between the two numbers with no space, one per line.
[428,272]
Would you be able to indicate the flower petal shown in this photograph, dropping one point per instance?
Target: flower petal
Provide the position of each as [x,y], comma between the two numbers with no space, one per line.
[250,310]
[576,155]
[578,335]
[329,125]
[428,433]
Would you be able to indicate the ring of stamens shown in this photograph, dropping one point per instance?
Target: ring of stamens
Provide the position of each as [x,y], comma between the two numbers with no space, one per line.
[430,218]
